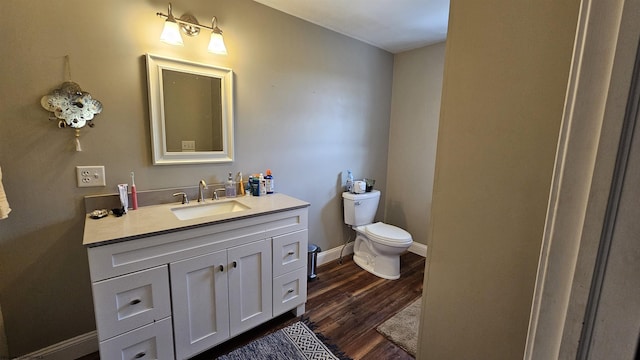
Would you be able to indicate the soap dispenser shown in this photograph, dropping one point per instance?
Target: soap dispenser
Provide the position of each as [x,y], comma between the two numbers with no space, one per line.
[230,187]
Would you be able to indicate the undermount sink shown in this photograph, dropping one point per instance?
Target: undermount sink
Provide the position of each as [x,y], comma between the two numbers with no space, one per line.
[203,210]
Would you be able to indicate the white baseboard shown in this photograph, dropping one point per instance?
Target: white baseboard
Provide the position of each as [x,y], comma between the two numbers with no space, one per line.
[418,249]
[334,253]
[73,348]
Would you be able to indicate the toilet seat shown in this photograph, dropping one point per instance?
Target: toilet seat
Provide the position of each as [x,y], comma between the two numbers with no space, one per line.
[388,234]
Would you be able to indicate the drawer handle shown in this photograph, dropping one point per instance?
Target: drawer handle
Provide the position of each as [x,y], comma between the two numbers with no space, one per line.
[289,291]
[290,253]
[134,302]
[235,264]
[140,355]
[221,267]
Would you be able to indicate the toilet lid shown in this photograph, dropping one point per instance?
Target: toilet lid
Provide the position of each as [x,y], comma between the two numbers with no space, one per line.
[388,234]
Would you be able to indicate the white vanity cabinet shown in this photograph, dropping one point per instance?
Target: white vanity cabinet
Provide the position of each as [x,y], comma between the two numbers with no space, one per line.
[174,294]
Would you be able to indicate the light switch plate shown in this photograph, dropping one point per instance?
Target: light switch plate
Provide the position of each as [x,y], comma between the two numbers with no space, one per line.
[90,176]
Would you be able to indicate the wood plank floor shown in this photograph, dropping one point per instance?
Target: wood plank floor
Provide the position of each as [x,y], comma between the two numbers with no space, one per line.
[346,304]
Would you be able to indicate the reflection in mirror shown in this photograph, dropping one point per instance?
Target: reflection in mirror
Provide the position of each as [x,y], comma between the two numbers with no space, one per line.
[191,111]
[188,96]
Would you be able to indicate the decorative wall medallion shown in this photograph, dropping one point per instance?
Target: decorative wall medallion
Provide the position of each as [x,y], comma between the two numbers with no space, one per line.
[72,106]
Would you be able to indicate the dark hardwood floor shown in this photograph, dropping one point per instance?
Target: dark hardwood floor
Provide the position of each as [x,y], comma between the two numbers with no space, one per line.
[346,304]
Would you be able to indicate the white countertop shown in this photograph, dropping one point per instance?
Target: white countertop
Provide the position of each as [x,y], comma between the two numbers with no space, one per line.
[155,219]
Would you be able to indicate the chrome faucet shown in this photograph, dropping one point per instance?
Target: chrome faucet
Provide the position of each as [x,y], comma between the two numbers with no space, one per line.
[201,187]
[215,193]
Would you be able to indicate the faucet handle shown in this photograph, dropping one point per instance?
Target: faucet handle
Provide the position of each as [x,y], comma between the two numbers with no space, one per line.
[185,199]
[215,193]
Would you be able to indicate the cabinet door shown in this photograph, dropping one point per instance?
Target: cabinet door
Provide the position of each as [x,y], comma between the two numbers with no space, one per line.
[200,303]
[250,285]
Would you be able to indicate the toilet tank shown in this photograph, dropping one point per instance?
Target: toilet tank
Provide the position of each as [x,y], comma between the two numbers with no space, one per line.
[360,209]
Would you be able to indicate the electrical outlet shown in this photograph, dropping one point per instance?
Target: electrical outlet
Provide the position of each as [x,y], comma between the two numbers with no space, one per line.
[188,145]
[89,176]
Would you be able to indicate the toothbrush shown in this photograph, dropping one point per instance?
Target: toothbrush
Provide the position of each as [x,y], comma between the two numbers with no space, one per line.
[134,194]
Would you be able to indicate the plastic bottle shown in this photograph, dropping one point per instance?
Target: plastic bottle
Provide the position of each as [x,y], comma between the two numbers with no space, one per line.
[269,182]
[230,187]
[349,181]
[263,185]
[239,185]
[254,183]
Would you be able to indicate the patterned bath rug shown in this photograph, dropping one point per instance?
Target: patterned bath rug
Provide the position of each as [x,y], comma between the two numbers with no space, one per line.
[294,342]
[402,328]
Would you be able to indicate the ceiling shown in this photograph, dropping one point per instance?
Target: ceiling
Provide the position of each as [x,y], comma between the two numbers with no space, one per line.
[392,25]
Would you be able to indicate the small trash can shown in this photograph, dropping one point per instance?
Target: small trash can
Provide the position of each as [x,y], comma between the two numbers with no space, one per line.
[312,261]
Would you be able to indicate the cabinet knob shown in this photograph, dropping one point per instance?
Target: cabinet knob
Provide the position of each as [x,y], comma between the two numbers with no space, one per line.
[135,301]
[290,253]
[139,355]
[221,267]
[235,264]
[289,291]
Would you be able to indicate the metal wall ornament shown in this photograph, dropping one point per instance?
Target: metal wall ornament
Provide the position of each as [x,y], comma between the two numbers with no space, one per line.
[72,107]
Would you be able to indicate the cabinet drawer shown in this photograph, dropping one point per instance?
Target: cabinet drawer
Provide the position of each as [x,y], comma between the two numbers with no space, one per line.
[130,301]
[289,252]
[286,222]
[289,291]
[153,341]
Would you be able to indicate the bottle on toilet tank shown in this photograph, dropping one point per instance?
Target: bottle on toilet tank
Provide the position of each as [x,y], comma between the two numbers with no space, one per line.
[349,181]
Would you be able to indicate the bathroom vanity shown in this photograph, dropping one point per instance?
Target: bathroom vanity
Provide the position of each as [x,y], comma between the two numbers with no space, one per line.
[167,288]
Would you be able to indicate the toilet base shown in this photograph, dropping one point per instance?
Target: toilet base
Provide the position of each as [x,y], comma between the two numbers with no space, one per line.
[381,266]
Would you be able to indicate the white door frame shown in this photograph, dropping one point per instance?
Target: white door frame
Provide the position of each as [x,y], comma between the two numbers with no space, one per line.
[604,55]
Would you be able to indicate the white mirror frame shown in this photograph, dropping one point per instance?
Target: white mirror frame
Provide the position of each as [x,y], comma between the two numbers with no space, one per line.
[160,155]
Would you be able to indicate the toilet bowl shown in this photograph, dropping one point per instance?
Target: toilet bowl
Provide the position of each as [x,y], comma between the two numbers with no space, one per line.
[378,245]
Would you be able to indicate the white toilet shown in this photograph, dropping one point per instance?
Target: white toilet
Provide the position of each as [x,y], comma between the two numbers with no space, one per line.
[378,246]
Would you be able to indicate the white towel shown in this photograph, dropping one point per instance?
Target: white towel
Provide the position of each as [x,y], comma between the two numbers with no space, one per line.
[4,204]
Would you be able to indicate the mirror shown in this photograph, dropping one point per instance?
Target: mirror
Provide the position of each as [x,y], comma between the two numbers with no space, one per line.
[191,110]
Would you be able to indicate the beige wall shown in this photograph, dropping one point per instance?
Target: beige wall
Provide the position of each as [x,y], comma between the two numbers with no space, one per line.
[505,79]
[415,112]
[309,104]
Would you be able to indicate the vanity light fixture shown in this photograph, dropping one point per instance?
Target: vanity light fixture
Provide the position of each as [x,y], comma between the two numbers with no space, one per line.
[190,26]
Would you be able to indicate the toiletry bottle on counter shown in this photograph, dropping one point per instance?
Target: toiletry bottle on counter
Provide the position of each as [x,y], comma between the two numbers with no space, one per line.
[254,182]
[239,185]
[268,179]
[263,185]
[230,187]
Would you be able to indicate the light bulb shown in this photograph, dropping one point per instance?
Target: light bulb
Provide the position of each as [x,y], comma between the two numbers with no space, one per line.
[216,45]
[171,33]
